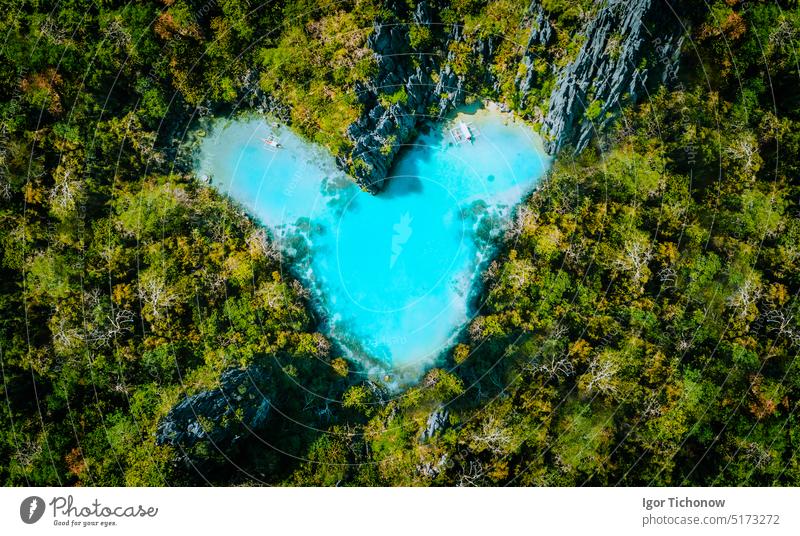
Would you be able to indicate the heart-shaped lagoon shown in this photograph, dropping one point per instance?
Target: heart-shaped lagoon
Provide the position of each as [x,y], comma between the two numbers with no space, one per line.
[392,272]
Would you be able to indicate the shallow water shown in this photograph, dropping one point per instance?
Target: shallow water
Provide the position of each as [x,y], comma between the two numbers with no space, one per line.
[392,272]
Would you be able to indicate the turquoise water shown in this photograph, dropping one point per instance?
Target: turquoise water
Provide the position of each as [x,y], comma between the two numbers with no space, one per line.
[392,273]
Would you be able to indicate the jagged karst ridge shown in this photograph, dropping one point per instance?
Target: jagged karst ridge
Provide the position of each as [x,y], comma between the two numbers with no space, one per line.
[378,134]
[629,48]
[542,34]
[239,406]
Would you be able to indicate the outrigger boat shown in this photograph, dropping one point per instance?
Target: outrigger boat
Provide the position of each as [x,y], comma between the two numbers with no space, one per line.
[272,142]
[464,132]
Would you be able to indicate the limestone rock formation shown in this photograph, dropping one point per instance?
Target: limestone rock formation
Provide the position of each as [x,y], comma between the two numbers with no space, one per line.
[223,415]
[541,35]
[437,421]
[386,123]
[630,47]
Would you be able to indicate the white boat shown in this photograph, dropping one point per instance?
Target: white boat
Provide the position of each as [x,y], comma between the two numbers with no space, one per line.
[465,132]
[272,142]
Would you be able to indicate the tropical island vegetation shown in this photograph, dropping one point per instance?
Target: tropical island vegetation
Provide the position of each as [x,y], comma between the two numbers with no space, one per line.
[640,325]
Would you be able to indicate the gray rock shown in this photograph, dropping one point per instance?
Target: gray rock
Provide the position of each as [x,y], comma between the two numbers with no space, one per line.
[436,422]
[541,35]
[450,90]
[433,469]
[630,47]
[379,133]
[422,14]
[222,415]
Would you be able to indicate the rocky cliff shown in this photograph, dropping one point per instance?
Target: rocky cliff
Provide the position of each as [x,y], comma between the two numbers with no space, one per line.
[629,48]
[541,35]
[401,95]
[239,406]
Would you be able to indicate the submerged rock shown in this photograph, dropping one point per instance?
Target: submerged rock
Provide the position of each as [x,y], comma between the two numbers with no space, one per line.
[222,415]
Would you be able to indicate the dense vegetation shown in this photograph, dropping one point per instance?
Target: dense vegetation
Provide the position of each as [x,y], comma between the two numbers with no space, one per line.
[641,325]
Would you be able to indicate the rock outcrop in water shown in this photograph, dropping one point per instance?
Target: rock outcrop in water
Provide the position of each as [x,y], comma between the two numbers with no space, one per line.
[401,95]
[378,133]
[222,415]
[629,48]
